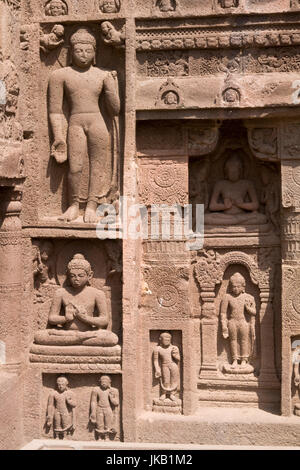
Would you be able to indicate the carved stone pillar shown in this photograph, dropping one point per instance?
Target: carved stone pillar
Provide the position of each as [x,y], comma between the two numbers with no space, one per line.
[267,364]
[10,276]
[290,222]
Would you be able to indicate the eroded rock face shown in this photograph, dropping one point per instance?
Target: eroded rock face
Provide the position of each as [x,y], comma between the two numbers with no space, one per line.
[119,304]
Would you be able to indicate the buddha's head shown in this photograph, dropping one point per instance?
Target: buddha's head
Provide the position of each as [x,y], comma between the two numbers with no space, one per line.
[237,284]
[105,382]
[83,46]
[165,339]
[233,168]
[79,272]
[56,8]
[62,384]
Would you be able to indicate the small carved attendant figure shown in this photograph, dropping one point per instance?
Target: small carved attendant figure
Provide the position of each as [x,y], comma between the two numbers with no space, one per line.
[270,197]
[61,409]
[166,358]
[104,401]
[166,5]
[82,84]
[44,265]
[111,36]
[170,98]
[234,199]
[234,308]
[109,6]
[56,8]
[78,312]
[52,40]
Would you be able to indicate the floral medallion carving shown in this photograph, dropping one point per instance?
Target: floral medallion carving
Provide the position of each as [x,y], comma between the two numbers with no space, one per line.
[164,181]
[167,289]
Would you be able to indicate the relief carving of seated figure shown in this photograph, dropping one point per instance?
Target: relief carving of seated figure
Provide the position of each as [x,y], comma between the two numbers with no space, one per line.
[78,312]
[234,200]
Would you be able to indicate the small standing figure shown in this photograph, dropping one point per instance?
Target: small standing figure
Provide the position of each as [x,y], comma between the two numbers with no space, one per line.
[166,5]
[270,197]
[166,359]
[104,404]
[237,304]
[51,41]
[61,409]
[109,6]
[43,270]
[56,8]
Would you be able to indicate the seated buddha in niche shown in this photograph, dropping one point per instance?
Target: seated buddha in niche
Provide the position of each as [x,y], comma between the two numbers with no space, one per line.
[78,312]
[234,199]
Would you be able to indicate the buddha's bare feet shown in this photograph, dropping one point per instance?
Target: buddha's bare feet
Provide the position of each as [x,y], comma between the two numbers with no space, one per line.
[90,216]
[173,397]
[234,364]
[71,214]
[244,363]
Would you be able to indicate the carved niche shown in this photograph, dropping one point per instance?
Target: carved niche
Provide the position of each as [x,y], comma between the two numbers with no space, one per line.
[97,180]
[230,177]
[56,342]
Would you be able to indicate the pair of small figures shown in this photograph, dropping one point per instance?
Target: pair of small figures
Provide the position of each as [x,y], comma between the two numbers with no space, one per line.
[62,404]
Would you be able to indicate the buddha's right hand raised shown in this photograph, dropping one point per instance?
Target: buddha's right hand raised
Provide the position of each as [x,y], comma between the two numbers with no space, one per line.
[225,333]
[59,151]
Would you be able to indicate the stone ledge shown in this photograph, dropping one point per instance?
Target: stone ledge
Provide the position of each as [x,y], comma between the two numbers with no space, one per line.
[47,444]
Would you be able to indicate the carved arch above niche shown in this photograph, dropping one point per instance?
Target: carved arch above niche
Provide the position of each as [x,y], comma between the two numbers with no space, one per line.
[211,266]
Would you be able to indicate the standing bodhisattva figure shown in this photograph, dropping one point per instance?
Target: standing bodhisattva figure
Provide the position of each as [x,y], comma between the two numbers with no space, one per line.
[235,326]
[166,358]
[82,84]
[61,409]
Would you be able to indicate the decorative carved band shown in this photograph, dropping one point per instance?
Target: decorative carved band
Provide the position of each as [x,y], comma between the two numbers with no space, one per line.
[196,38]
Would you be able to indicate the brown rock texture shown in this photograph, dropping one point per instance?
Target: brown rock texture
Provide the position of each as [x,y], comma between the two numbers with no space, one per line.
[149,223]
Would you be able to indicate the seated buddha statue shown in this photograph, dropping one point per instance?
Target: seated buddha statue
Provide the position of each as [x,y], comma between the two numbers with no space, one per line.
[234,200]
[78,313]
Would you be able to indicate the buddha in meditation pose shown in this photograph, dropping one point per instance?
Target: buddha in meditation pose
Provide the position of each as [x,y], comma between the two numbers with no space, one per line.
[78,312]
[81,85]
[234,200]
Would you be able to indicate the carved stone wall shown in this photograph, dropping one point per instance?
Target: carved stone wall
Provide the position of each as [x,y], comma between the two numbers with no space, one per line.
[152,270]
